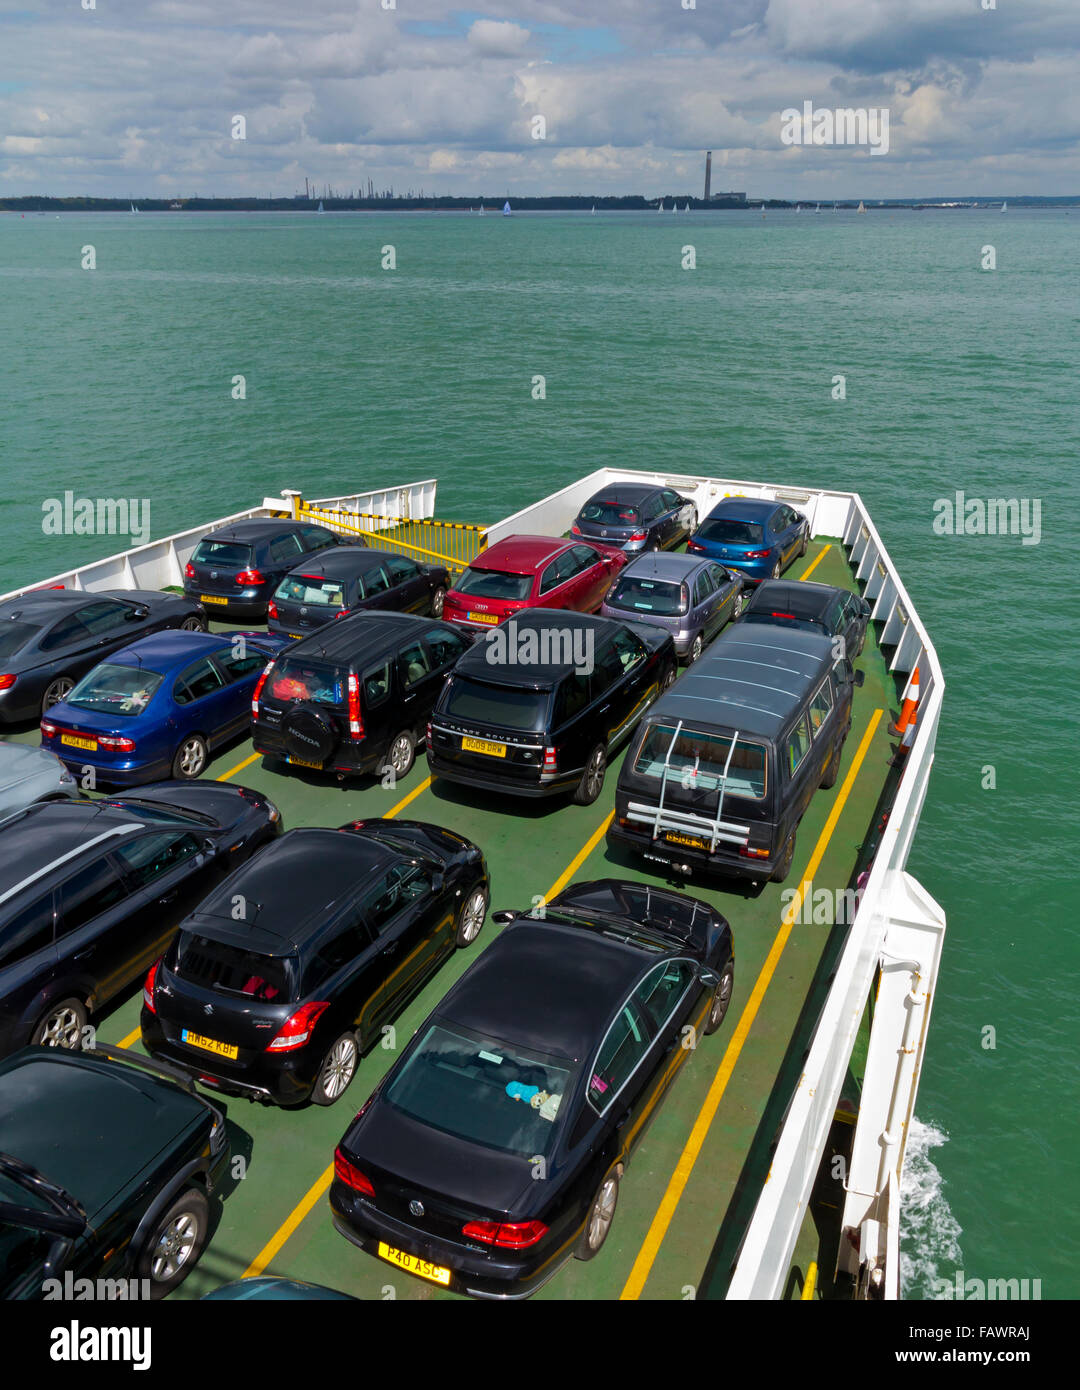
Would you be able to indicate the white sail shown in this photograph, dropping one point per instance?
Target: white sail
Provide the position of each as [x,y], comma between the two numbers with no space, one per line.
[860,208]
[594,210]
[818,208]
[506,208]
[661,207]
[1004,207]
[321,208]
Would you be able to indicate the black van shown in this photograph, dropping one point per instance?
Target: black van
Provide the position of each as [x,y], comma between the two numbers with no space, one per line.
[355,696]
[725,764]
[540,702]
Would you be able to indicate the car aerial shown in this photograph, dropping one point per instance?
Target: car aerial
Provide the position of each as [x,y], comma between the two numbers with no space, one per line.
[355,696]
[531,572]
[91,893]
[234,571]
[494,1148]
[813,608]
[51,638]
[338,930]
[31,774]
[757,537]
[538,706]
[108,1167]
[350,579]
[160,707]
[687,595]
[636,517]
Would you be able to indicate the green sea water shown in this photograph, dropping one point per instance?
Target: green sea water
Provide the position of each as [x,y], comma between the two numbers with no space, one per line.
[118,381]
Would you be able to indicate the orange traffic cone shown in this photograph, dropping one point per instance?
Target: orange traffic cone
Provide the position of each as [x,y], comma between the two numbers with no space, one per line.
[907,713]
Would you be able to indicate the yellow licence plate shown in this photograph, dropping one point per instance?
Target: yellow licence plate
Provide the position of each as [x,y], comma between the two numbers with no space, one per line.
[483,617]
[412,1264]
[481,745]
[73,742]
[303,762]
[691,840]
[209,1044]
[212,598]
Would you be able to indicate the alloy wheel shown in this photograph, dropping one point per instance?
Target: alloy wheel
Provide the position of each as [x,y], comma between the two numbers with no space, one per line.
[437,603]
[58,690]
[603,1213]
[594,773]
[339,1067]
[192,758]
[61,1029]
[174,1246]
[472,917]
[401,754]
[721,1000]
[193,625]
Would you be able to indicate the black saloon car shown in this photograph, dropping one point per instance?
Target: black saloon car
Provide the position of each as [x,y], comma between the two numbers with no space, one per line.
[52,637]
[338,930]
[493,1150]
[813,608]
[350,579]
[107,1167]
[636,517]
[91,892]
[234,570]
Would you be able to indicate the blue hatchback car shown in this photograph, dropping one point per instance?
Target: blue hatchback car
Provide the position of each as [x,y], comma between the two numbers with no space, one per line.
[757,537]
[158,708]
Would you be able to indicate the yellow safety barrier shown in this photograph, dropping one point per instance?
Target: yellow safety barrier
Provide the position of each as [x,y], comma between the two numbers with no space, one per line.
[454,544]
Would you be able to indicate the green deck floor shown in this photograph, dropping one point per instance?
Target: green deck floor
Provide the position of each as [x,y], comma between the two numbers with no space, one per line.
[529,849]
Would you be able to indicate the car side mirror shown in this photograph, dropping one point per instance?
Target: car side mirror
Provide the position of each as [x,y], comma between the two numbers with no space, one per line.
[438,881]
[865,608]
[137,613]
[503,916]
[708,978]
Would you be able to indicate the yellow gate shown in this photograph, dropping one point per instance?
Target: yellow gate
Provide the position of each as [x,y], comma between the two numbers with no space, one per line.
[454,544]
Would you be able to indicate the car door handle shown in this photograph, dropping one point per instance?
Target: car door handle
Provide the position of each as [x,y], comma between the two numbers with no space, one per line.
[169,897]
[81,955]
[389,950]
[620,1123]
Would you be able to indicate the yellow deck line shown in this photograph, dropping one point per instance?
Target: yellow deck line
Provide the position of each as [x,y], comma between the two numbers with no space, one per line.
[579,858]
[131,1037]
[238,768]
[681,1176]
[405,800]
[817,561]
[284,1231]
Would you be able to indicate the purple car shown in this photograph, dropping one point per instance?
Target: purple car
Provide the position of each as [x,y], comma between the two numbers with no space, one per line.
[688,596]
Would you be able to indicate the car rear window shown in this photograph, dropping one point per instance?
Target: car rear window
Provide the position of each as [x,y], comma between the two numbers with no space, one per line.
[509,707]
[606,513]
[228,969]
[14,636]
[111,689]
[497,584]
[731,532]
[661,597]
[505,1098]
[295,679]
[698,758]
[225,553]
[311,588]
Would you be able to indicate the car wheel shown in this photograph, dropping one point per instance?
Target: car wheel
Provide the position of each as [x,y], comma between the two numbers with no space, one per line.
[667,679]
[337,1071]
[437,599]
[402,753]
[740,604]
[601,1215]
[862,643]
[193,624]
[696,647]
[775,571]
[783,867]
[174,1248]
[832,767]
[805,542]
[592,779]
[191,757]
[471,917]
[55,691]
[62,1026]
[720,1000]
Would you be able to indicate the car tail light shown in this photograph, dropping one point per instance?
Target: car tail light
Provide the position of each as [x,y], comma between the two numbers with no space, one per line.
[189,570]
[639,536]
[48,730]
[348,1173]
[783,615]
[429,733]
[575,530]
[693,545]
[297,1028]
[684,597]
[356,724]
[756,554]
[6,682]
[508,1235]
[258,689]
[113,743]
[748,853]
[148,987]
[550,760]
[271,609]
[250,577]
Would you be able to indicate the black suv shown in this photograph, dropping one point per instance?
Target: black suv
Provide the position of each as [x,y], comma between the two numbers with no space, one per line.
[348,579]
[340,928]
[540,703]
[355,696]
[109,1161]
[234,570]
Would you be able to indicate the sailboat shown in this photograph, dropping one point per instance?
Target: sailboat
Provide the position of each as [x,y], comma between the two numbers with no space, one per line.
[593,213]
[861,207]
[481,212]
[321,208]
[674,207]
[1004,207]
[798,207]
[818,208]
[506,209]
[660,208]
[687,208]
[134,208]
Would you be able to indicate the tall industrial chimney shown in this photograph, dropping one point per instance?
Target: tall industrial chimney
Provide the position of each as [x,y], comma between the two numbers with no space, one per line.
[708,173]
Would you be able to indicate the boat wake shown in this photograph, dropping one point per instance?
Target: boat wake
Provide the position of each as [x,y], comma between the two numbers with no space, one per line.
[929,1232]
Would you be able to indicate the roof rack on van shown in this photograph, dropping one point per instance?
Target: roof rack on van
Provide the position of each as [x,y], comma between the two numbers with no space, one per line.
[684,822]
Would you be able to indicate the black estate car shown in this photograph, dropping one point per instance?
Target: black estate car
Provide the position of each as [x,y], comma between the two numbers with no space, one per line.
[813,608]
[234,570]
[52,637]
[493,1149]
[355,696]
[338,929]
[107,1165]
[91,893]
[537,706]
[636,517]
[350,579]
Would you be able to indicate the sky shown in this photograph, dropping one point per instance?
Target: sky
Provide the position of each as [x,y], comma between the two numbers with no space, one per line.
[139,98]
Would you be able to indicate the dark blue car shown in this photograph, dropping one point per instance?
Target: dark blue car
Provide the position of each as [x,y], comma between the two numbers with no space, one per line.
[158,708]
[757,537]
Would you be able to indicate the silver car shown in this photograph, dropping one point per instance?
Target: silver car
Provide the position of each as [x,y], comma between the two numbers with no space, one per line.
[687,595]
[30,774]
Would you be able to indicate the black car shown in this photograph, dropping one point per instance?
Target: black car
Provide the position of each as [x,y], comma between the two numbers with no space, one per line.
[355,696]
[813,608]
[636,517]
[338,929]
[538,705]
[493,1150]
[107,1168]
[51,638]
[351,579]
[234,570]
[91,893]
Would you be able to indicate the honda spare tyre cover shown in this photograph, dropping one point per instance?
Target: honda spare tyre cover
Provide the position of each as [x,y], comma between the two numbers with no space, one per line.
[309,734]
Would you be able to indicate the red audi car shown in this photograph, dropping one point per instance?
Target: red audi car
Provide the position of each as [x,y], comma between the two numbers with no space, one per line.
[532,572]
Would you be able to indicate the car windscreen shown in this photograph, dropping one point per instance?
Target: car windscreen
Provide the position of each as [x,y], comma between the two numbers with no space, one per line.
[606,513]
[658,596]
[727,531]
[293,678]
[696,759]
[495,584]
[225,553]
[508,707]
[505,1098]
[228,969]
[112,689]
[312,589]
